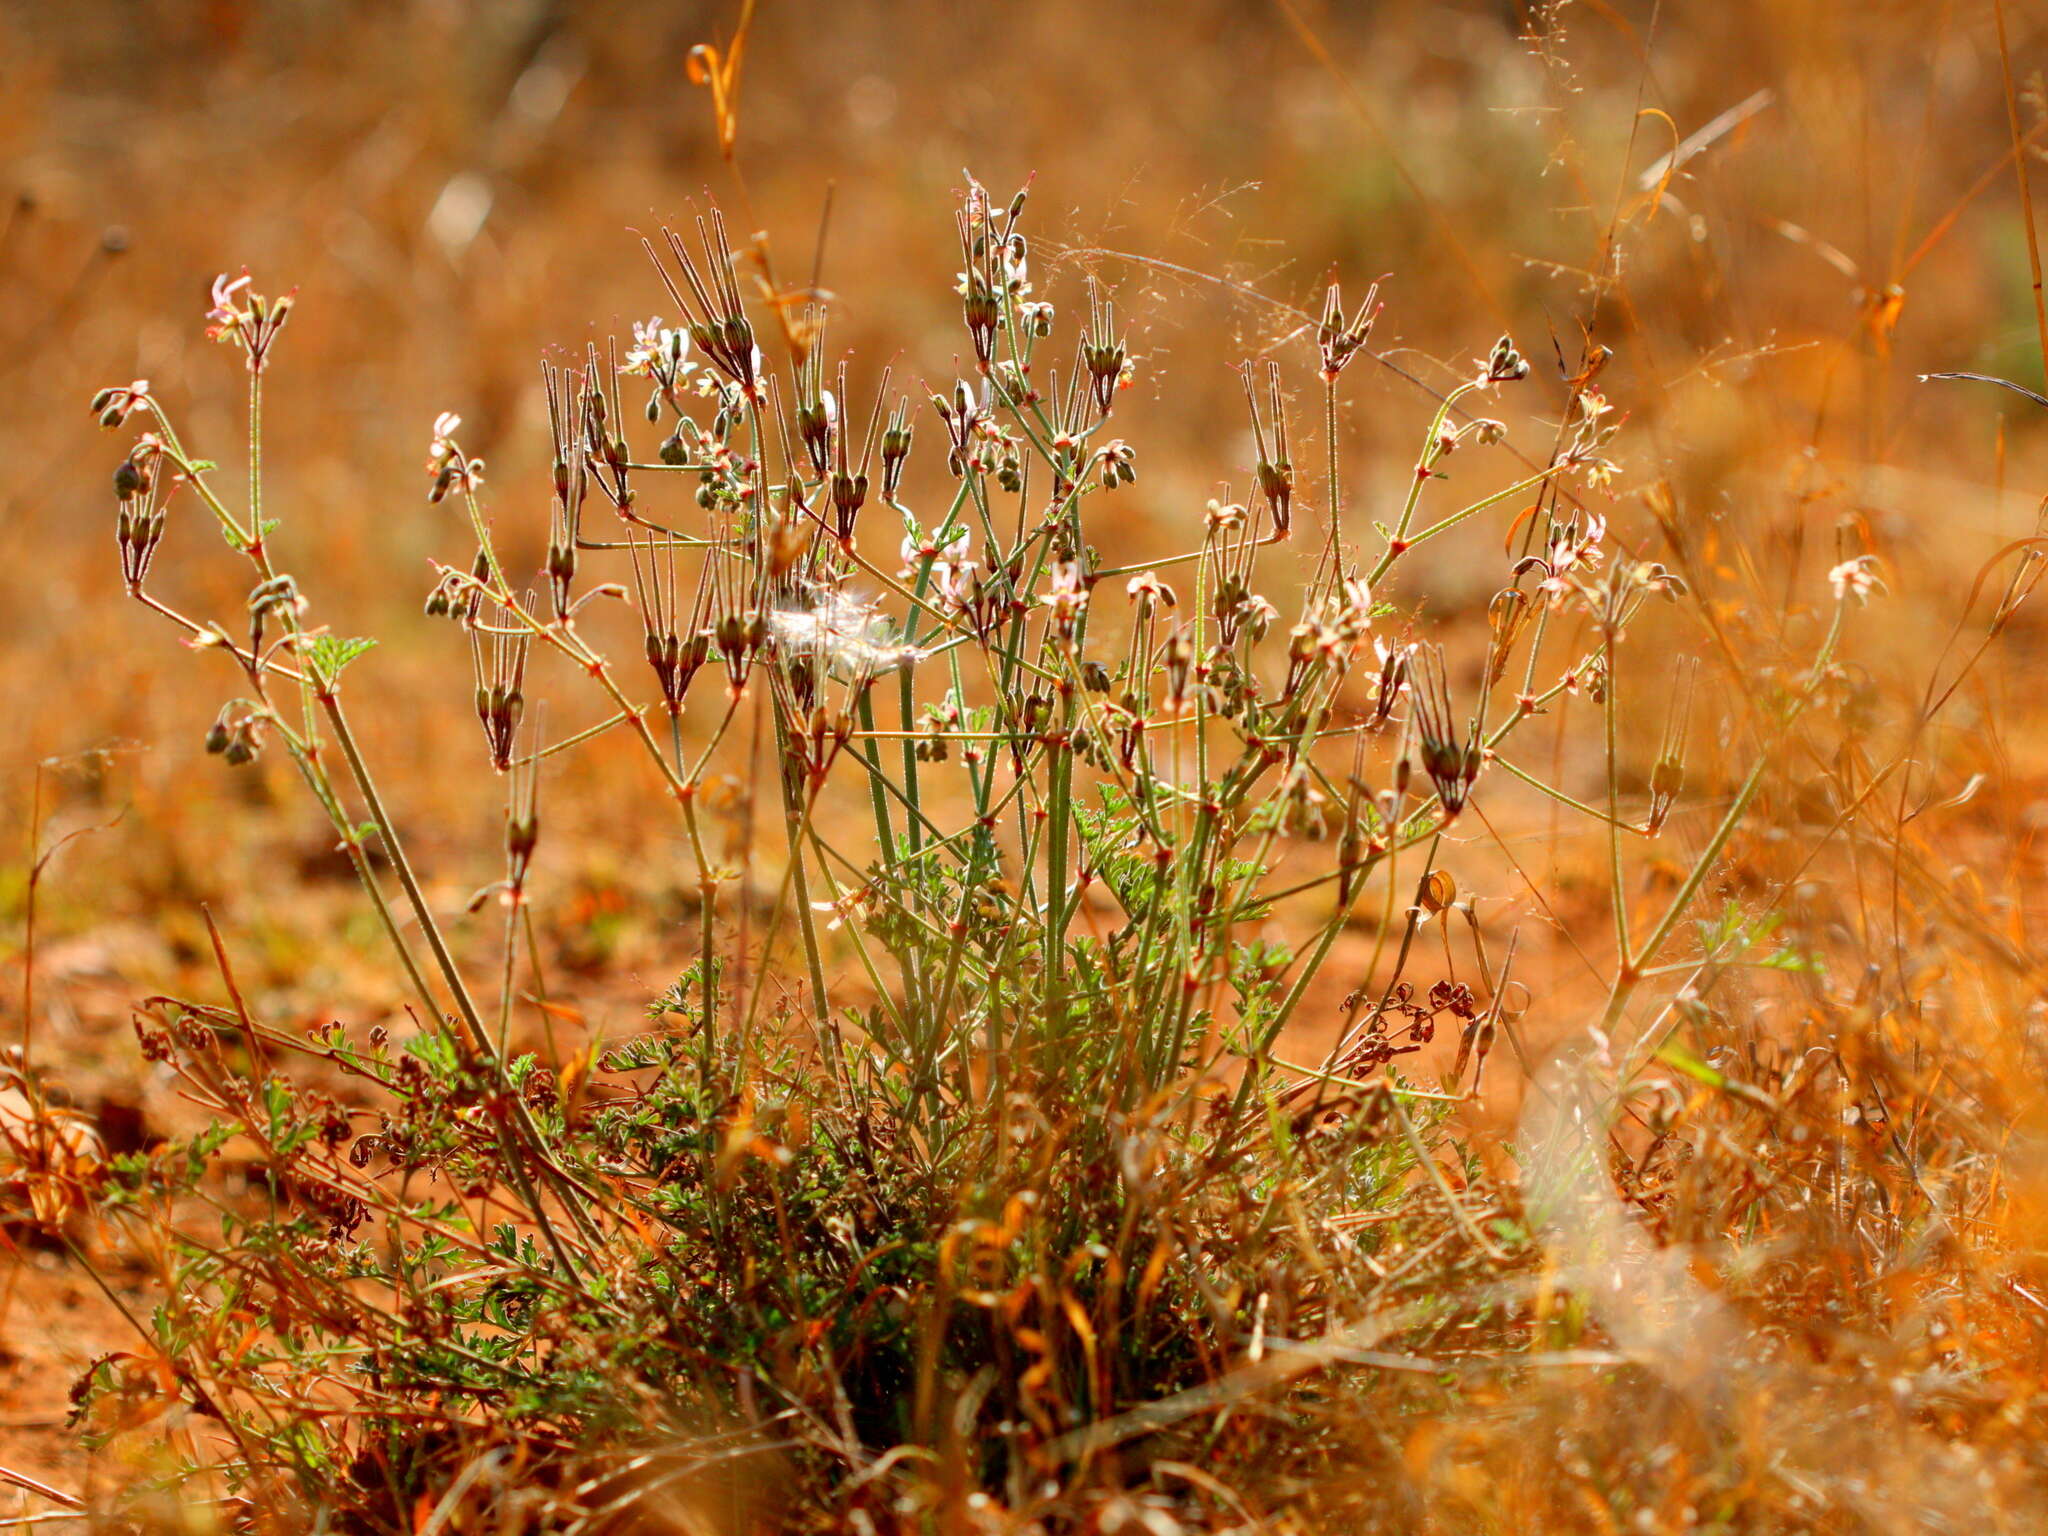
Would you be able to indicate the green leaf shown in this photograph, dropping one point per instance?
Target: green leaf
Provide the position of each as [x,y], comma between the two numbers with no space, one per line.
[329,654]
[1790,959]
[1673,1054]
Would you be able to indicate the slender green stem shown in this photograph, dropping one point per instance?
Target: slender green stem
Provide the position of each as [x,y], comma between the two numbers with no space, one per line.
[394,847]
[1618,888]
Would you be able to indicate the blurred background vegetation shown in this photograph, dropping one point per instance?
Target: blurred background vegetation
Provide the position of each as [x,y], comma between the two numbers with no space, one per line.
[1800,207]
[457,189]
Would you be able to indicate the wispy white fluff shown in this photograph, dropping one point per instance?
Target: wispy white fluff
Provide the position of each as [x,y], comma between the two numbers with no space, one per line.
[844,631]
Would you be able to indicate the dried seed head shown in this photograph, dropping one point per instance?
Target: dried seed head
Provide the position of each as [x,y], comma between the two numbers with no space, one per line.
[142,493]
[962,416]
[500,690]
[1504,364]
[1338,339]
[896,438]
[1103,355]
[1506,616]
[1452,763]
[713,313]
[1272,469]
[561,573]
[243,744]
[277,596]
[1178,663]
[839,634]
[1667,774]
[139,531]
[1393,682]
[522,835]
[817,408]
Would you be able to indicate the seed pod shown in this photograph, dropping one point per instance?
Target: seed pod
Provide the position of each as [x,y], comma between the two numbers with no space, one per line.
[242,745]
[1667,776]
[896,439]
[1505,364]
[1339,339]
[1451,763]
[1103,353]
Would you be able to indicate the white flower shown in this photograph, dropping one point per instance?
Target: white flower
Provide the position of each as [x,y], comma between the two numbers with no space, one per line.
[450,468]
[1855,578]
[1355,607]
[918,547]
[1147,587]
[959,584]
[229,313]
[1068,598]
[658,352]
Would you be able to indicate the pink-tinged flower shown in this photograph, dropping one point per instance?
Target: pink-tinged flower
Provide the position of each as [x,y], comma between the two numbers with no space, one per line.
[1117,463]
[1354,607]
[659,352]
[226,317]
[918,547]
[444,435]
[1856,579]
[1571,549]
[450,468]
[1068,599]
[243,315]
[849,908]
[959,584]
[1146,587]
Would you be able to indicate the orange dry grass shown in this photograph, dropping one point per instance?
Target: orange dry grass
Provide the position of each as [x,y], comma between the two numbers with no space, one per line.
[446,184]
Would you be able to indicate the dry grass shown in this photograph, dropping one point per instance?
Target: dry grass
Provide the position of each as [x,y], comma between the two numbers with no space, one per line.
[885,1092]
